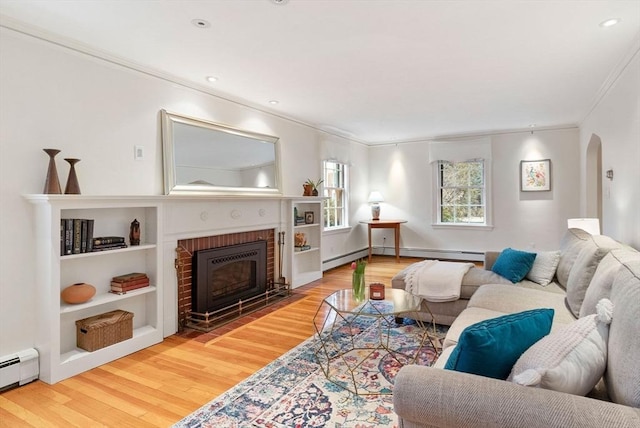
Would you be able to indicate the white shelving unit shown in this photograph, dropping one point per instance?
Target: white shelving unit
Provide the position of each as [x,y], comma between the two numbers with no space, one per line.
[306,266]
[60,358]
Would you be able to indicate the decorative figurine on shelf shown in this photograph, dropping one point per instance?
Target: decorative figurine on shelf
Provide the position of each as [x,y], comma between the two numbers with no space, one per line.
[300,240]
[134,232]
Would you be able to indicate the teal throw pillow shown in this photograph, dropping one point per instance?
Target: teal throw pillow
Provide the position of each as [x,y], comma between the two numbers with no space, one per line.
[490,348]
[513,264]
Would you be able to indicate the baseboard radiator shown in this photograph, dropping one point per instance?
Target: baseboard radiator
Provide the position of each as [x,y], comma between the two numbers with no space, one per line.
[18,369]
[425,253]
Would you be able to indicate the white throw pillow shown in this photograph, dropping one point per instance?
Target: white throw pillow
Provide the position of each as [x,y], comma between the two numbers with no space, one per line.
[544,267]
[571,360]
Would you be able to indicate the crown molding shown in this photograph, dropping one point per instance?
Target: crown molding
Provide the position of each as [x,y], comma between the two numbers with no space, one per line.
[613,77]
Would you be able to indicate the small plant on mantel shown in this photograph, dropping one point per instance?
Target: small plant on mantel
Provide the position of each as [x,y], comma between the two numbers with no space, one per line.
[311,187]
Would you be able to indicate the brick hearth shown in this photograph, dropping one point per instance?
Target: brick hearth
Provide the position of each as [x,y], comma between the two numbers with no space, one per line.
[186,248]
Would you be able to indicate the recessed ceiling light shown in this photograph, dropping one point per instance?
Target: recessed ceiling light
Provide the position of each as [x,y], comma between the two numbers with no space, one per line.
[201,23]
[212,79]
[610,22]
[279,1]
[274,102]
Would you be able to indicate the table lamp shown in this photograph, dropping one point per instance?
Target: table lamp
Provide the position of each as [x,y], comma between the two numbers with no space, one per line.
[375,198]
[591,225]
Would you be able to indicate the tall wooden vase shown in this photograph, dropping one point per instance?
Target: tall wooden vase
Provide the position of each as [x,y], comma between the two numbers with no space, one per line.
[72,187]
[51,183]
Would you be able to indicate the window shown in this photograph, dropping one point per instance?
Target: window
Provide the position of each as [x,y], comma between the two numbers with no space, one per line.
[461,193]
[335,189]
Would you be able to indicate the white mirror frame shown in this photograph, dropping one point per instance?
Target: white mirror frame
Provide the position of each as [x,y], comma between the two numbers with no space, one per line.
[171,186]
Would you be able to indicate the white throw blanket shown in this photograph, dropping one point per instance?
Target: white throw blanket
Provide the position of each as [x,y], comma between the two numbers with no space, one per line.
[436,281]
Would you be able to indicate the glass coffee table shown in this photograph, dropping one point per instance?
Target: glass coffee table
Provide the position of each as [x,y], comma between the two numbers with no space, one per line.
[359,345]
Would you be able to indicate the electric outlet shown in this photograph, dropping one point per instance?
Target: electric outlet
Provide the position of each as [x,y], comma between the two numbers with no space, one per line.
[138,153]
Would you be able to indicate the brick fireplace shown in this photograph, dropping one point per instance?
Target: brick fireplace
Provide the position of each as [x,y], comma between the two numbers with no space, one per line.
[184,261]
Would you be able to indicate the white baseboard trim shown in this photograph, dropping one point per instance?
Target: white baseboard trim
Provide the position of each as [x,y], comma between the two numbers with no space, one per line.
[344,259]
[473,256]
[423,253]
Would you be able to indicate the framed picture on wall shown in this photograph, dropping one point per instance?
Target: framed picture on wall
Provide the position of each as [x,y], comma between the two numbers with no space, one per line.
[535,175]
[308,217]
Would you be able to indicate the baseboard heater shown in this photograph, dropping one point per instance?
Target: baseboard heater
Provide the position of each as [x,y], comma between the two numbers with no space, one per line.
[18,369]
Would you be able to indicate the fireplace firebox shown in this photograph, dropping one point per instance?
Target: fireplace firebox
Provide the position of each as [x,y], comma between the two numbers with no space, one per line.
[224,276]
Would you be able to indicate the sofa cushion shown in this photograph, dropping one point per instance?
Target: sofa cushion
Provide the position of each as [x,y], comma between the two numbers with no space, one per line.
[443,358]
[571,360]
[600,286]
[478,276]
[544,267]
[468,317]
[570,246]
[513,264]
[508,299]
[623,365]
[584,267]
[490,348]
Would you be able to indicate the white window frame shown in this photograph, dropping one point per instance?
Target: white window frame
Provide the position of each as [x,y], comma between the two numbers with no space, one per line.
[327,191]
[460,151]
[437,202]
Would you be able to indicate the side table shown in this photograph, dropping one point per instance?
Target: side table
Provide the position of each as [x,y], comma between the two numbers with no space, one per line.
[385,224]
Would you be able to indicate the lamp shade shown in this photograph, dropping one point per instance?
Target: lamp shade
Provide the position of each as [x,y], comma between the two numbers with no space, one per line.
[591,225]
[375,197]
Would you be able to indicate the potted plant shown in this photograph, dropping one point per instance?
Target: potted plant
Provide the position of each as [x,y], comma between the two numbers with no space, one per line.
[311,187]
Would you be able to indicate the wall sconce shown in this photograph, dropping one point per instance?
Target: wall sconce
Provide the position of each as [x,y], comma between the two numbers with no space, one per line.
[609,174]
[375,198]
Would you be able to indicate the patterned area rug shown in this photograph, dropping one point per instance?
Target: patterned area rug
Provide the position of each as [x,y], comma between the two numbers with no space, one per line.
[293,391]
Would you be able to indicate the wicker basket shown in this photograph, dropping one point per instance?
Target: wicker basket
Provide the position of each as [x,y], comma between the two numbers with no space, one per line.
[103,330]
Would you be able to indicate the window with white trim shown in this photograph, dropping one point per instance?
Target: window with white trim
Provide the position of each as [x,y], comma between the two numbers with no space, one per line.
[336,190]
[462,193]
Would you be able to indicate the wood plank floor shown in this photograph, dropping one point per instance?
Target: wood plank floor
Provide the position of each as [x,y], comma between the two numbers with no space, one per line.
[160,385]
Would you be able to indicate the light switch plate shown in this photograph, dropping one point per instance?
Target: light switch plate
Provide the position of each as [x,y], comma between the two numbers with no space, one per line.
[138,153]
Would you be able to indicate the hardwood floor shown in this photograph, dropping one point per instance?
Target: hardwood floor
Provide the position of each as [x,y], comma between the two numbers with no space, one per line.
[160,385]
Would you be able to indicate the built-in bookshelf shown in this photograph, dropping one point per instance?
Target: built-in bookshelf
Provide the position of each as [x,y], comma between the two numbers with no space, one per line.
[306,219]
[56,342]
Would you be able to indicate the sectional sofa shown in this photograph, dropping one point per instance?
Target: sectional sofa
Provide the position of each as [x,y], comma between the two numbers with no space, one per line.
[589,269]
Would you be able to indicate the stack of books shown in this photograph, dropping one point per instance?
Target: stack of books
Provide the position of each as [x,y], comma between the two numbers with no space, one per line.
[76,236]
[132,281]
[108,243]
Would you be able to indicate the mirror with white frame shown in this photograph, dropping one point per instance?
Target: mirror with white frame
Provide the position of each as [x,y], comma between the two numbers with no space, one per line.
[206,157]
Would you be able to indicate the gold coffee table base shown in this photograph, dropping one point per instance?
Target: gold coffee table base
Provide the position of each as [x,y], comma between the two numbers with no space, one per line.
[350,362]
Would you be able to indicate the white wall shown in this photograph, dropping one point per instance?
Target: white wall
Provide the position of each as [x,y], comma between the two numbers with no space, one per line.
[525,220]
[616,121]
[52,97]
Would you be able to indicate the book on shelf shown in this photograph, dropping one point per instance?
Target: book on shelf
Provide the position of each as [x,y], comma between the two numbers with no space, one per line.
[302,248]
[122,288]
[77,236]
[67,224]
[144,280]
[106,247]
[129,277]
[90,235]
[102,240]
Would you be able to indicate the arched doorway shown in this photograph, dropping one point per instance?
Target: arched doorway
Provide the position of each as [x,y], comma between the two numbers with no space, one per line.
[594,178]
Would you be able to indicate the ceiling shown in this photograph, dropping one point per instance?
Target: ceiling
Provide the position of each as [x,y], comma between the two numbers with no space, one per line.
[376,71]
